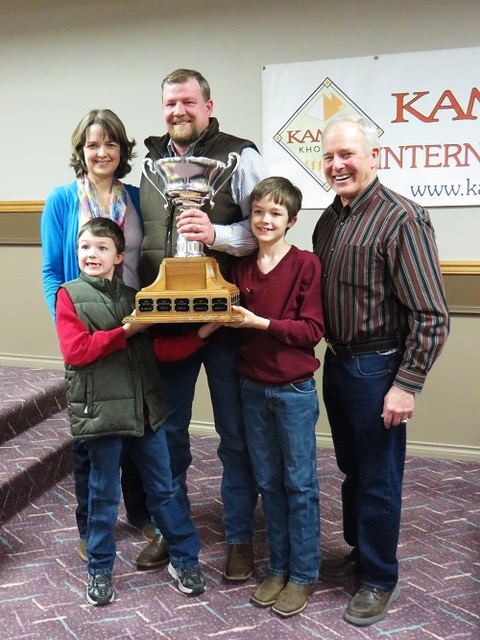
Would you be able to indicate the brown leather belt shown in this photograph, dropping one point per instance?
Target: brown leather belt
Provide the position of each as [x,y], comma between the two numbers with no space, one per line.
[368,346]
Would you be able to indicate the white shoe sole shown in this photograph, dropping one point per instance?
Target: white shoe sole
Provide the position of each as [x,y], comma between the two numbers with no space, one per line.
[190,592]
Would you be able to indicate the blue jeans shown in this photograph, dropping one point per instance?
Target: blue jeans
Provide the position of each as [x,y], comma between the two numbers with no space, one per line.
[81,472]
[165,502]
[371,457]
[132,488]
[280,424]
[238,488]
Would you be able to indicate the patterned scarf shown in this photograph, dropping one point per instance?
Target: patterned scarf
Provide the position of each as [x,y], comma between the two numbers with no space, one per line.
[90,205]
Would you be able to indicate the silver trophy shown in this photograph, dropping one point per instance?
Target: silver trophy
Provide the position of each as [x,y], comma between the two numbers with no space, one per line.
[189,286]
[189,183]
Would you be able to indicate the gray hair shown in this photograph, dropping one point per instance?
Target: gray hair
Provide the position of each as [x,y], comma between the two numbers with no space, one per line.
[367,129]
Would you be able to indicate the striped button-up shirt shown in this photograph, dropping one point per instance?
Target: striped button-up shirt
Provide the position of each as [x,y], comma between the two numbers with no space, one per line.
[382,277]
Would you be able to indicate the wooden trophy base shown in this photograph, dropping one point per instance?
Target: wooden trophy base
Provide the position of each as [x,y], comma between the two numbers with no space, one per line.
[187,290]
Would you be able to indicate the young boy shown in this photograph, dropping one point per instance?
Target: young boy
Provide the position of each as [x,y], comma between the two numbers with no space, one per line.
[280,290]
[114,400]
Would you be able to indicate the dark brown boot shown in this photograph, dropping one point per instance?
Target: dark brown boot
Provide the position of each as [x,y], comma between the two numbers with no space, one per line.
[239,565]
[154,555]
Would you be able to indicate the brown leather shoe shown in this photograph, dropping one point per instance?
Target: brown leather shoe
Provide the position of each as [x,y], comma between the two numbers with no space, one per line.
[292,599]
[82,549]
[268,590]
[154,555]
[339,569]
[370,605]
[239,564]
[149,531]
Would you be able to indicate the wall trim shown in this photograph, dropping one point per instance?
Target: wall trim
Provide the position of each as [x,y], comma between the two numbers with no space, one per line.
[20,222]
[415,449]
[462,286]
[35,362]
[21,206]
[10,207]
[449,451]
[463,267]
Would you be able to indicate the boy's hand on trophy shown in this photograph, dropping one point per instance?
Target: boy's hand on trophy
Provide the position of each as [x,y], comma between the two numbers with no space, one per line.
[132,328]
[194,224]
[250,320]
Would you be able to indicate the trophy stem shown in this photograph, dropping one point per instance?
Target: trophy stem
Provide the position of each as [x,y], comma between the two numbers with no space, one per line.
[188,248]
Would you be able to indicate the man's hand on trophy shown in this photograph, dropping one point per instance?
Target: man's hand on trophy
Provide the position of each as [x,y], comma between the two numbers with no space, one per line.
[207,329]
[194,224]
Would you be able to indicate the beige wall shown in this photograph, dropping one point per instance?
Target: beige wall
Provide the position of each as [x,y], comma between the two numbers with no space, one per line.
[446,422]
[60,58]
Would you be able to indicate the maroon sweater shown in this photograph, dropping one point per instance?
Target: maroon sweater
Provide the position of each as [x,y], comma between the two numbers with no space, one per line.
[290,297]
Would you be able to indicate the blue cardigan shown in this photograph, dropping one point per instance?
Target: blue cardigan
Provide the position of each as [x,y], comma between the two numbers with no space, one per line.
[58,231]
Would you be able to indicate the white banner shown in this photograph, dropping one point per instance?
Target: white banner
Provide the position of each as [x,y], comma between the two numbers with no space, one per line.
[426,108]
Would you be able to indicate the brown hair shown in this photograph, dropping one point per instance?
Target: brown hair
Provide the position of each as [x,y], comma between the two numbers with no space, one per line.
[104,228]
[180,76]
[282,192]
[114,128]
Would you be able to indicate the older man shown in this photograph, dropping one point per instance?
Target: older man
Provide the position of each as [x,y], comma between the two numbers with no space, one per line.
[386,321]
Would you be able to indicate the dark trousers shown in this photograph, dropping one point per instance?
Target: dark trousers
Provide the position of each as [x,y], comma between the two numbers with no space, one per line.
[371,457]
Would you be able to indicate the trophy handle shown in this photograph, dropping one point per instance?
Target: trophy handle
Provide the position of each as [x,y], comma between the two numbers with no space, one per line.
[230,168]
[148,162]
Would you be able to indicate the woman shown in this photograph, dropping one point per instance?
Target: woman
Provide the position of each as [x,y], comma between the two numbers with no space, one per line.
[101,155]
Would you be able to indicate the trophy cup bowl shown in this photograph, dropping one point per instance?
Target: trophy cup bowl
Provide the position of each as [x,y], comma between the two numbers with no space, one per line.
[189,287]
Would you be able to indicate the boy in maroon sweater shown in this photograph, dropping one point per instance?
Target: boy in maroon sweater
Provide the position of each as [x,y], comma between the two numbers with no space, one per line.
[283,321]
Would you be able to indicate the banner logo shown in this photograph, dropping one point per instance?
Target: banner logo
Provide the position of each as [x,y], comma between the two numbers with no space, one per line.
[301,135]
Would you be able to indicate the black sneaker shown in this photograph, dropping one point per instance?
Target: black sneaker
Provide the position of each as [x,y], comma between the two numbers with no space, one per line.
[190,580]
[100,589]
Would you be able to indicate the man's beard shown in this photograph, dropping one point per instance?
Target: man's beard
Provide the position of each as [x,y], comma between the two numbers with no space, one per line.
[185,135]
